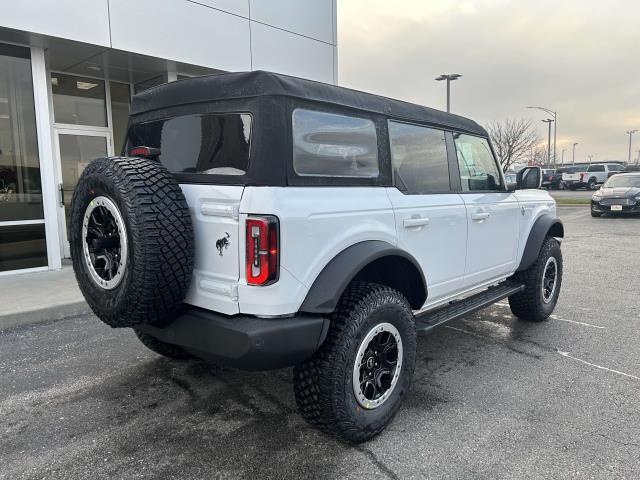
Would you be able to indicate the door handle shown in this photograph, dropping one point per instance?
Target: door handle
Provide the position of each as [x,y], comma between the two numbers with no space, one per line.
[415,222]
[480,216]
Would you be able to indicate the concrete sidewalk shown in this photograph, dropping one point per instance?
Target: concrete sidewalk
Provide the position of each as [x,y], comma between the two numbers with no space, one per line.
[38,297]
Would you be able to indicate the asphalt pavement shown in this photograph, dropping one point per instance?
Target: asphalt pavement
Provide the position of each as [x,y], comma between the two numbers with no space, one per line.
[492,397]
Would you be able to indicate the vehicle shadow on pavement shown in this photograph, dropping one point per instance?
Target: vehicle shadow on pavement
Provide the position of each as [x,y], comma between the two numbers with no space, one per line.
[192,419]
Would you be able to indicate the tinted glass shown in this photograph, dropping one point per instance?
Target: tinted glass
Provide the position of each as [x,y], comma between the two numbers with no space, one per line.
[120,101]
[596,168]
[212,144]
[419,157]
[22,246]
[616,168]
[78,100]
[20,191]
[478,169]
[330,145]
[623,181]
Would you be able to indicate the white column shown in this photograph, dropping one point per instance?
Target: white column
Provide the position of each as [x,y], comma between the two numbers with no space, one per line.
[48,168]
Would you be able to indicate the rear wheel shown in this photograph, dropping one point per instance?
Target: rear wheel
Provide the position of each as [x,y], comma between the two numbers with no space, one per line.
[354,384]
[542,284]
[593,184]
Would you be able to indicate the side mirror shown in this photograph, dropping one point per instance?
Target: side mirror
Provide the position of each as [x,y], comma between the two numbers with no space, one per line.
[529,178]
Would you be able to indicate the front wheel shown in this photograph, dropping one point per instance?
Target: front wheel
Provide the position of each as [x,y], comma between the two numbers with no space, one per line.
[542,283]
[354,384]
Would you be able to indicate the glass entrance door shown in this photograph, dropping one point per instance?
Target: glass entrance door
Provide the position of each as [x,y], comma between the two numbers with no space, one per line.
[75,150]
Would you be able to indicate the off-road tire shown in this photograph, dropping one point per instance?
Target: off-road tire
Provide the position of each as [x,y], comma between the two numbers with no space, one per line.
[159,262]
[528,304]
[323,385]
[165,349]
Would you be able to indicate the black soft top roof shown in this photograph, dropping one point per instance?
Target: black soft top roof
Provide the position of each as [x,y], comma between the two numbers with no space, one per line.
[226,86]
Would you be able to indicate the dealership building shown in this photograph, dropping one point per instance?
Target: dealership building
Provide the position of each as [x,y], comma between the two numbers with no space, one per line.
[68,70]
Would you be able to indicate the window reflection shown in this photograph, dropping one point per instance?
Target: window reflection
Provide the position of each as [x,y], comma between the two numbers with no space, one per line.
[78,100]
[20,190]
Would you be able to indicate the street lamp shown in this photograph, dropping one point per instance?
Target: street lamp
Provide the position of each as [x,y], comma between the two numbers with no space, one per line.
[590,159]
[563,150]
[555,128]
[574,152]
[630,133]
[449,78]
[549,121]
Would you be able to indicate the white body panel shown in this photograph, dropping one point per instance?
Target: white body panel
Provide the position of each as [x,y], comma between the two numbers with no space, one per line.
[492,238]
[458,252]
[433,228]
[316,223]
[215,213]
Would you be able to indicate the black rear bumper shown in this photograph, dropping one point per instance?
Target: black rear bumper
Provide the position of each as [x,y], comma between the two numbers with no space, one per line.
[242,341]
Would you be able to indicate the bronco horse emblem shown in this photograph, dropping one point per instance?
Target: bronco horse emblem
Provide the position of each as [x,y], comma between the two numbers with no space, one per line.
[223,243]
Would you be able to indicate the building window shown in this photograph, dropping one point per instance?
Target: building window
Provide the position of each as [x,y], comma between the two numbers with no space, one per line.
[78,100]
[22,242]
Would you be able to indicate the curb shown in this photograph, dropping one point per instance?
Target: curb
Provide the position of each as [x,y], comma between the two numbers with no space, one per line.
[40,315]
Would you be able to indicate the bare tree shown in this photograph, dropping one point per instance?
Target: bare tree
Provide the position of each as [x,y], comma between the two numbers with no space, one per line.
[513,140]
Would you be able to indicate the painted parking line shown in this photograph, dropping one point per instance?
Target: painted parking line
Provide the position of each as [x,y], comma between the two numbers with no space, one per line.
[617,372]
[555,317]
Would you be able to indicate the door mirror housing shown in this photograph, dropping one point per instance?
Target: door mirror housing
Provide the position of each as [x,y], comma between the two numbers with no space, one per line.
[529,178]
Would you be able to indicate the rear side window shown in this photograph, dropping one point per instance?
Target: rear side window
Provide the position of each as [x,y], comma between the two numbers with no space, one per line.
[419,157]
[596,168]
[478,168]
[209,144]
[331,145]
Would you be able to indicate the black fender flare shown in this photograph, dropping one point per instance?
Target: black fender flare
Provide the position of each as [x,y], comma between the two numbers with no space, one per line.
[544,226]
[324,294]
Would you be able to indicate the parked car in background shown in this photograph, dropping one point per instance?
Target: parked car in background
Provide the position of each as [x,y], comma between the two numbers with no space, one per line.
[620,194]
[547,175]
[598,173]
[573,177]
[510,178]
[555,180]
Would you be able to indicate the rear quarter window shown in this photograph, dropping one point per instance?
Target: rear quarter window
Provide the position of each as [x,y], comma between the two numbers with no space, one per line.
[333,145]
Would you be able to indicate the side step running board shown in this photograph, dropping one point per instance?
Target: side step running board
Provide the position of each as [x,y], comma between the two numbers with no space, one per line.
[427,321]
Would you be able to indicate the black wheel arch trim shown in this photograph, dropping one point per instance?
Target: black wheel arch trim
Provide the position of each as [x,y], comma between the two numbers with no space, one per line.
[329,285]
[544,226]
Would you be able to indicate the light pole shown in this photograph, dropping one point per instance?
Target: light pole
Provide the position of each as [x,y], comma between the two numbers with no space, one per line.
[563,150]
[555,129]
[590,159]
[574,152]
[630,133]
[449,78]
[549,121]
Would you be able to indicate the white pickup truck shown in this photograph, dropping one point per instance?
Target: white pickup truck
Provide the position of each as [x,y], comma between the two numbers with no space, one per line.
[590,176]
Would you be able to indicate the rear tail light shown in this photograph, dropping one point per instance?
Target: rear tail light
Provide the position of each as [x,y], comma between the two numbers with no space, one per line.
[263,250]
[582,177]
[146,152]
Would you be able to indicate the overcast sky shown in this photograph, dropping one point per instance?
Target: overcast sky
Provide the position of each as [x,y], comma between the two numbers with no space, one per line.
[581,58]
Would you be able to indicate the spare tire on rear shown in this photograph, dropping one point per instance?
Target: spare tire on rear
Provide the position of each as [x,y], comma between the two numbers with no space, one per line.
[131,241]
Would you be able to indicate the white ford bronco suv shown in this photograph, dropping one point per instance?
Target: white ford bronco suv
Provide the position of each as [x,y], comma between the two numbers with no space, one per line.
[264,221]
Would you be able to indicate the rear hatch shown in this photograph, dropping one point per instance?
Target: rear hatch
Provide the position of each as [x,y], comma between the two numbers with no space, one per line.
[209,155]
